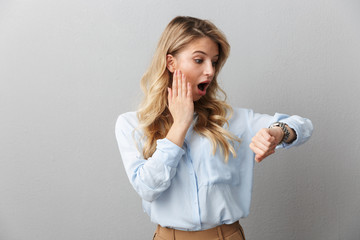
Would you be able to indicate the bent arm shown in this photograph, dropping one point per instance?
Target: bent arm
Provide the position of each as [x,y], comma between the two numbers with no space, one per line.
[264,142]
[149,177]
[302,127]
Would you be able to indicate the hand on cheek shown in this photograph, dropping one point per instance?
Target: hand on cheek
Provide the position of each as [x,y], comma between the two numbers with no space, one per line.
[180,100]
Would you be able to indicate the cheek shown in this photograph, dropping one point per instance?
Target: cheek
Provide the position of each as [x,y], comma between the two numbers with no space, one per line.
[190,77]
[190,70]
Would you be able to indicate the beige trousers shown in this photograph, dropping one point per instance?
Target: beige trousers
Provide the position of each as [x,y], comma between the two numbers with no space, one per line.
[223,232]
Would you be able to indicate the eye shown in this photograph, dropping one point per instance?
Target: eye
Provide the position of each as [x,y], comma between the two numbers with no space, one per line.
[214,63]
[198,61]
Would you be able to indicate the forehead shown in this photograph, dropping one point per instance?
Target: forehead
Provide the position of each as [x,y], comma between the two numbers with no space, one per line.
[205,44]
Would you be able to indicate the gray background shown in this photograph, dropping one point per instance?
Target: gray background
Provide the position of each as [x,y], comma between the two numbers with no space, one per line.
[68,68]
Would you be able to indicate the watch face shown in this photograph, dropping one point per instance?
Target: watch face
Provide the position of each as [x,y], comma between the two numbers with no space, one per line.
[277,124]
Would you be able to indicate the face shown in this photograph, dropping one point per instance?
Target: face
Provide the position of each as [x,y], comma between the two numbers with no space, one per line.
[198,61]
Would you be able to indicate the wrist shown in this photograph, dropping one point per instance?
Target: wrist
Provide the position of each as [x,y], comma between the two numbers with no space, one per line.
[177,133]
[180,126]
[282,129]
[277,133]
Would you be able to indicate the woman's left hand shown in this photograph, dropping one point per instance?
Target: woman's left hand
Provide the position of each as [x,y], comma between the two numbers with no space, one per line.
[264,142]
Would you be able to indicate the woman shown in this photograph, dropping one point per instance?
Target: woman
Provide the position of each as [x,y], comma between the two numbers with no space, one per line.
[188,154]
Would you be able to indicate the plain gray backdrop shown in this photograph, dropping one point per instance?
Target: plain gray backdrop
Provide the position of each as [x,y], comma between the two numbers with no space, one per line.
[69,68]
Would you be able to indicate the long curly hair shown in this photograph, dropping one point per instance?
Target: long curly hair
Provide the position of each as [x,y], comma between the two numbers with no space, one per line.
[213,112]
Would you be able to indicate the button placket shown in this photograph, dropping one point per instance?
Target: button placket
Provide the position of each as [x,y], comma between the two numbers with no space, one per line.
[193,177]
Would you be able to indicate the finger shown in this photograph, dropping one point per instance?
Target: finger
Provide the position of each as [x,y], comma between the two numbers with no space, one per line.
[260,153]
[262,136]
[268,153]
[263,156]
[265,138]
[266,135]
[252,147]
[256,150]
[189,92]
[178,75]
[184,86]
[174,85]
[169,96]
[263,146]
[258,159]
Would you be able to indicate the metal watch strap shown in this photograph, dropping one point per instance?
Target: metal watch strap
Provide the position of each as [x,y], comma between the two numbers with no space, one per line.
[283,128]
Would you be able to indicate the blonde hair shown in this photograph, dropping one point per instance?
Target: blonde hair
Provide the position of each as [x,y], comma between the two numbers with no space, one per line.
[213,113]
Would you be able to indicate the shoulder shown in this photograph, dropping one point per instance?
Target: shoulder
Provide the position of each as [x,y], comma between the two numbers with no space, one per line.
[127,132]
[127,121]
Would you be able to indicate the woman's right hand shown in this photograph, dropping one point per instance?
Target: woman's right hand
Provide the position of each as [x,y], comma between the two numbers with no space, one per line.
[181,107]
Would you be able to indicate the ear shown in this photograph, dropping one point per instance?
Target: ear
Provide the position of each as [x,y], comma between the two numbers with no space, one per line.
[170,63]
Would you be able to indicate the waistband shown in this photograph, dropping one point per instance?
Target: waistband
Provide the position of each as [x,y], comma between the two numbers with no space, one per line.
[219,232]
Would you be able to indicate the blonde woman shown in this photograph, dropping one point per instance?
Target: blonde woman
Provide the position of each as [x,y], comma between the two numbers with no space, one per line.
[187,153]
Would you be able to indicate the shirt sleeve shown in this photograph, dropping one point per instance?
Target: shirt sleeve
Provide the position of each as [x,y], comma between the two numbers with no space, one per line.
[149,177]
[302,126]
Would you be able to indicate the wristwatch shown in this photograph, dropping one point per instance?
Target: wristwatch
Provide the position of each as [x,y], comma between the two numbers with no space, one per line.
[283,128]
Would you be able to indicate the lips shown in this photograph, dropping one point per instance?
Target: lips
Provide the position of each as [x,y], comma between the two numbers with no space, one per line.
[202,87]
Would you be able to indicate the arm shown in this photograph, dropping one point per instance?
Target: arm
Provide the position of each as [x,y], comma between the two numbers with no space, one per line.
[267,139]
[149,177]
[153,176]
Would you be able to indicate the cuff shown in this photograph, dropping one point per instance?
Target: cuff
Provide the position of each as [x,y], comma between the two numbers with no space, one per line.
[169,152]
[293,126]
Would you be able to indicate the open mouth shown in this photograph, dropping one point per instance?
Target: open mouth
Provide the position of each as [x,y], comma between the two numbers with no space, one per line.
[203,86]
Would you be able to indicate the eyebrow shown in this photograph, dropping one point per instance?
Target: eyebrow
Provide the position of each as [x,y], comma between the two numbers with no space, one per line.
[203,53]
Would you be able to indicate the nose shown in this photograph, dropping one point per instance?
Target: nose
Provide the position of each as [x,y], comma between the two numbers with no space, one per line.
[209,69]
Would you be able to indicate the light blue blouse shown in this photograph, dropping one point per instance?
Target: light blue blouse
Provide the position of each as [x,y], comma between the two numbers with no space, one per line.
[189,188]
